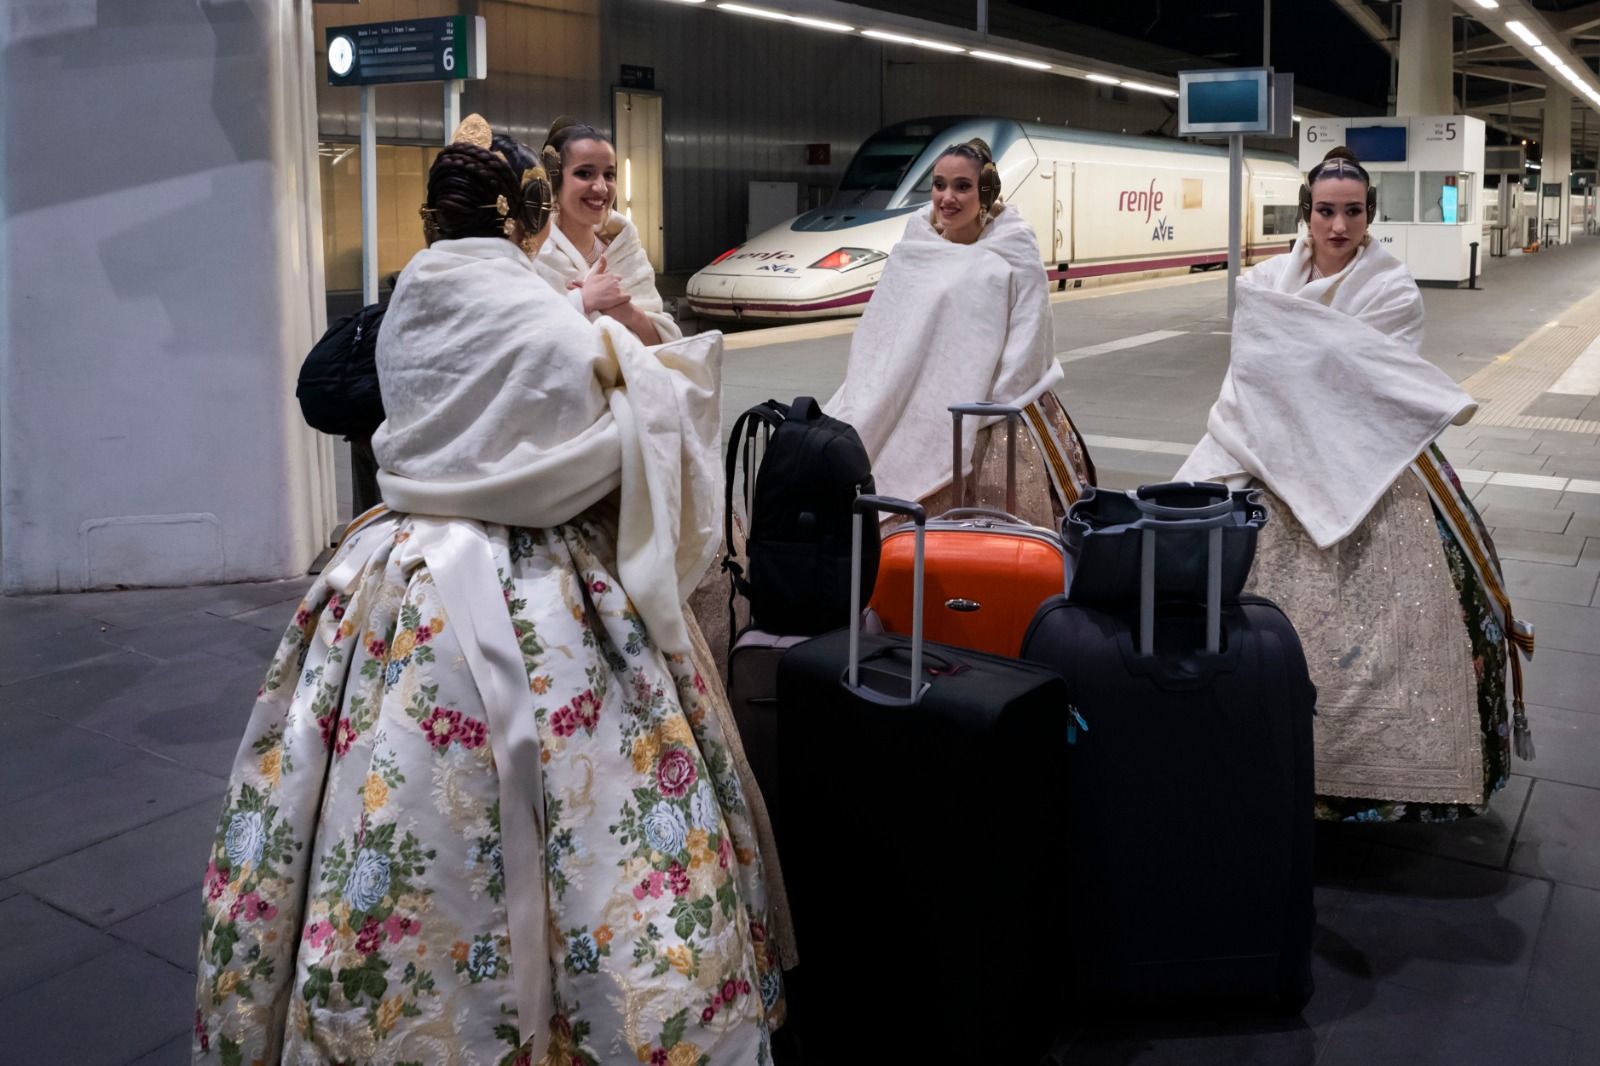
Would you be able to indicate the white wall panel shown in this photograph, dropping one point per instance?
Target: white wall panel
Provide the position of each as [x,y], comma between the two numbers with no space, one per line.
[156,308]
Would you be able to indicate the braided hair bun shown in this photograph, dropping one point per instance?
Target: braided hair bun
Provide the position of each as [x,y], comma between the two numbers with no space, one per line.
[472,192]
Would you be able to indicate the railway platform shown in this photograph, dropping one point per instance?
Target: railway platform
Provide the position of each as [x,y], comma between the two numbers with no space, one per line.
[1471,943]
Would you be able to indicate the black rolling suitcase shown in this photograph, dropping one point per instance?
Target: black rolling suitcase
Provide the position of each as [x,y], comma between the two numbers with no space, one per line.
[920,837]
[1189,815]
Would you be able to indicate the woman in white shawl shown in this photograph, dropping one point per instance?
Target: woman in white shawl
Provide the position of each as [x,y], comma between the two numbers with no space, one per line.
[1372,548]
[486,810]
[961,314]
[593,251]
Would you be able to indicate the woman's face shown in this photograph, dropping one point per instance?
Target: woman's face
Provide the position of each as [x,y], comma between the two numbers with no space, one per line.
[1338,214]
[955,191]
[588,182]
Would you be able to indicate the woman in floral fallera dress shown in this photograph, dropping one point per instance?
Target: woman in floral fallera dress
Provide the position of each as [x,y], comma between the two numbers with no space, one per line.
[484,741]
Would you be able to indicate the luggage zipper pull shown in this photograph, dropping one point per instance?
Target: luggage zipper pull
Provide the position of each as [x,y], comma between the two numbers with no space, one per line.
[1076,723]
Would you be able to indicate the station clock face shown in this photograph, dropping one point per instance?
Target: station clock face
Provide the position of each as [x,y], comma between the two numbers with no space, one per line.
[341,55]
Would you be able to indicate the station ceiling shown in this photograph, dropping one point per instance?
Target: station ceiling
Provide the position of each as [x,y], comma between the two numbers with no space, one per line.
[1339,50]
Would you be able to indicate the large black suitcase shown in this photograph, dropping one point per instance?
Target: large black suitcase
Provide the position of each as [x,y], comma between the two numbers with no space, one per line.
[921,842]
[1189,812]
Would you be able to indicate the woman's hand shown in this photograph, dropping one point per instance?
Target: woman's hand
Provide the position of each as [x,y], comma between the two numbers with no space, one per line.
[602,291]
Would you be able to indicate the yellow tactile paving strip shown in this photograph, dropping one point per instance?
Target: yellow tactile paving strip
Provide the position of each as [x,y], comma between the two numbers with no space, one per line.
[1506,387]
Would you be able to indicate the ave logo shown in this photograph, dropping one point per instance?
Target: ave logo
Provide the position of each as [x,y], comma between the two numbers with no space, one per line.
[1163,230]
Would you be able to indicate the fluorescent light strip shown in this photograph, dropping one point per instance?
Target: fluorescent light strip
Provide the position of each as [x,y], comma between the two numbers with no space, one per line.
[782,16]
[1297,118]
[920,42]
[755,12]
[1488,5]
[1522,31]
[1031,64]
[821,24]
[1141,87]
[1104,79]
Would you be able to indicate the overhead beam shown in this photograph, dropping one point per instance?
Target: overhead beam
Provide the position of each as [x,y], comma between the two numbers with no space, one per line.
[1368,20]
[1575,19]
[1514,75]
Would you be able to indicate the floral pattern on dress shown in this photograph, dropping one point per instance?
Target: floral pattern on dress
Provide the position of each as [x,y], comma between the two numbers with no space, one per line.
[354,901]
[1489,666]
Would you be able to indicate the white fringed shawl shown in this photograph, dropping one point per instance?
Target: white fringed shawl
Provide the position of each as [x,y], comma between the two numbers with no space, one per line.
[1327,398]
[504,405]
[948,323]
[559,262]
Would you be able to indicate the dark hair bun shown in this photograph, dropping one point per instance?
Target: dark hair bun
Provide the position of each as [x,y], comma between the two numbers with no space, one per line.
[1341,152]
[519,155]
[465,185]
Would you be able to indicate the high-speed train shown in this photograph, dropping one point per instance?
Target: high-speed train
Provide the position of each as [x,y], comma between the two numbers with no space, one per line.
[1100,203]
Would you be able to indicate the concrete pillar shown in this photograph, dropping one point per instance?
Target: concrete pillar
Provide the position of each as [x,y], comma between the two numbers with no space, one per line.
[1556,164]
[160,281]
[1426,59]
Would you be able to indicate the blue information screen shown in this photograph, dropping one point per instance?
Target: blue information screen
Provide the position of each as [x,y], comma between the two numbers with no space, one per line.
[1447,203]
[1225,101]
[1377,144]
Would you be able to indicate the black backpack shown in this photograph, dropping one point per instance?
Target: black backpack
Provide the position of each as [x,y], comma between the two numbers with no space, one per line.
[338,387]
[798,547]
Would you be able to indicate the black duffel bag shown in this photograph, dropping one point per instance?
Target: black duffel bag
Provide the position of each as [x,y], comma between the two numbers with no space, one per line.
[1104,531]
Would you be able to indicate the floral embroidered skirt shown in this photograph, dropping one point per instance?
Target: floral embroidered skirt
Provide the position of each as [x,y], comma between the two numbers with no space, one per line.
[355,901]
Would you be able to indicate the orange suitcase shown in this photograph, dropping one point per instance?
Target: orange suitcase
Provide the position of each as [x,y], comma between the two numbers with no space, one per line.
[986,571]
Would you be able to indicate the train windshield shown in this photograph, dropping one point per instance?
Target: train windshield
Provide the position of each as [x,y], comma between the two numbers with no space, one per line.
[880,164]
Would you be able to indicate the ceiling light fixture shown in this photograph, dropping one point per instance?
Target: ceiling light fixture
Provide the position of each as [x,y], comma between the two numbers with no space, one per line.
[1488,5]
[1522,31]
[996,57]
[1104,79]
[783,16]
[920,42]
[1141,87]
[754,12]
[821,24]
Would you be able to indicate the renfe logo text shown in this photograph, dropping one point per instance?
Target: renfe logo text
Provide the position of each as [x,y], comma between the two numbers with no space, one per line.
[1147,200]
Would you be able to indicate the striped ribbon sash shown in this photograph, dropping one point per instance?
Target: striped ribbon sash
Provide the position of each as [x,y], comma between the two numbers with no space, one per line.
[1464,523]
[1065,477]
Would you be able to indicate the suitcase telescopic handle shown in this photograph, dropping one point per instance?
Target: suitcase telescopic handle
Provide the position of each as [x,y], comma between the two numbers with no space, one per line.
[1151,528]
[863,506]
[983,409]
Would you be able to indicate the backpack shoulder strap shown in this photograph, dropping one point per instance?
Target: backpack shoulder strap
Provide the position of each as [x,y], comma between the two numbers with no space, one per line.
[745,427]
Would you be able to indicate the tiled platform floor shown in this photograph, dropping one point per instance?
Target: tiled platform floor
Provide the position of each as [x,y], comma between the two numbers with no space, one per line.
[1457,945]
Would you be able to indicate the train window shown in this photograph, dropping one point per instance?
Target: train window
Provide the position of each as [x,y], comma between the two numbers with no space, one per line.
[1396,196]
[881,162]
[1279,219]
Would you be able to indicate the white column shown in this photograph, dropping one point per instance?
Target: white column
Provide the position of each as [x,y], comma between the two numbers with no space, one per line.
[1426,58]
[158,294]
[1556,162]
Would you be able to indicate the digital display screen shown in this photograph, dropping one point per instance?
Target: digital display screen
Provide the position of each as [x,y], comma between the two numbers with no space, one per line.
[1377,144]
[1447,203]
[1225,101]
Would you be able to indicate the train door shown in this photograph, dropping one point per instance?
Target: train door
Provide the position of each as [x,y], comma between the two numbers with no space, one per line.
[636,118]
[1039,197]
[1064,174]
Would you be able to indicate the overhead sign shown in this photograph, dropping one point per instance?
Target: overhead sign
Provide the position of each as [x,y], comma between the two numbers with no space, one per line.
[635,77]
[453,48]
